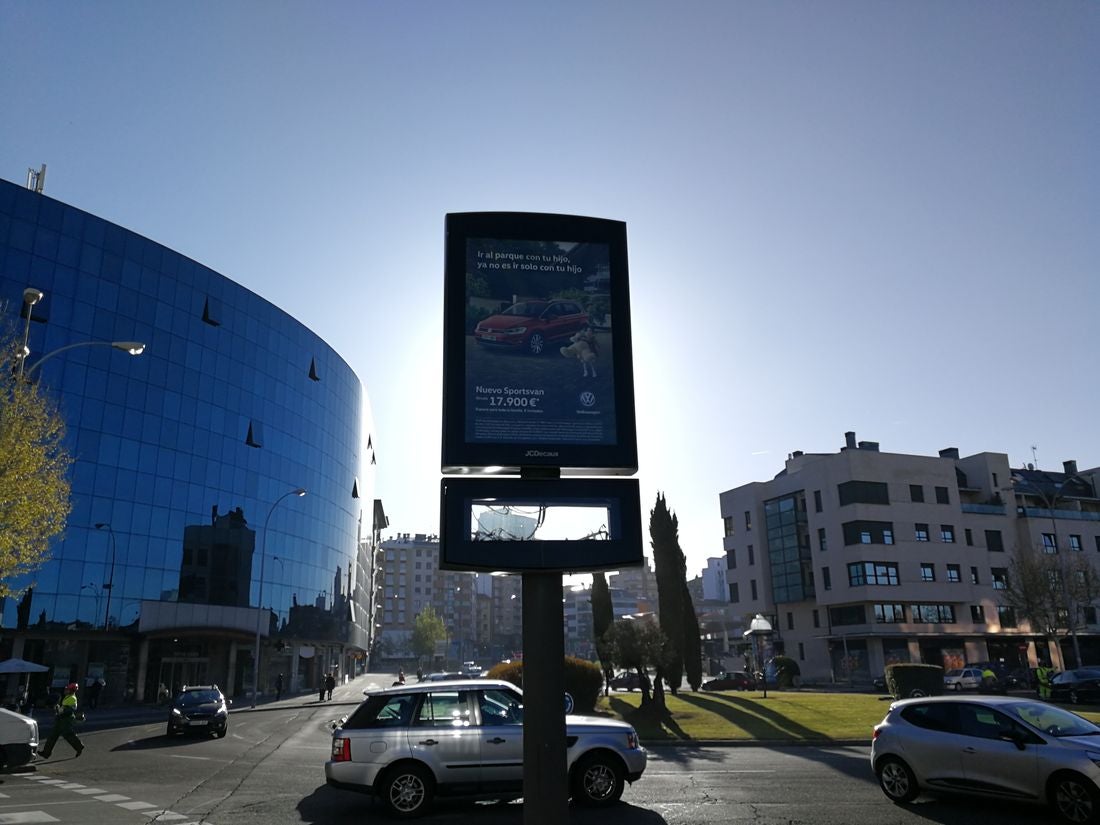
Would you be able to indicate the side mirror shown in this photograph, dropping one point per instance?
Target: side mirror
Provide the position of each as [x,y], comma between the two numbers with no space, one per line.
[1015,737]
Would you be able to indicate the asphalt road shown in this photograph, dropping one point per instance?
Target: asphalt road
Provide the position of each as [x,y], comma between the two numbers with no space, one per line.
[269,771]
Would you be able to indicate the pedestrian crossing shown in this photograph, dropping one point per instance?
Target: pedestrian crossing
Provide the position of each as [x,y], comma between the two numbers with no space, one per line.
[155,813]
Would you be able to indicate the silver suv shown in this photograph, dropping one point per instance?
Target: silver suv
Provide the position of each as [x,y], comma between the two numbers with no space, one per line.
[998,746]
[408,743]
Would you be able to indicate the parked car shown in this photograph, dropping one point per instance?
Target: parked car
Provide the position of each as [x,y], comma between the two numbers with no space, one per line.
[1081,685]
[531,325]
[445,676]
[199,709]
[18,739]
[994,746]
[731,680]
[471,669]
[625,680]
[967,678]
[388,747]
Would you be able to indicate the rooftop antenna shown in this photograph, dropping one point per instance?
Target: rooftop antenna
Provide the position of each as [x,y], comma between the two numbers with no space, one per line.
[1034,455]
[36,179]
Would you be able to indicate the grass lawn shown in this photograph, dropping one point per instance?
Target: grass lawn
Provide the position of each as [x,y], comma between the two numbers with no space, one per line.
[785,716]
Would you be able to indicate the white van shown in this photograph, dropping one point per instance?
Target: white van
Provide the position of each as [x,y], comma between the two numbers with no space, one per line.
[18,739]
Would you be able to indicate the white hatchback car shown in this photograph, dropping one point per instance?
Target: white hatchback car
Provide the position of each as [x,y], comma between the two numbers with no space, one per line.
[408,743]
[996,746]
[967,678]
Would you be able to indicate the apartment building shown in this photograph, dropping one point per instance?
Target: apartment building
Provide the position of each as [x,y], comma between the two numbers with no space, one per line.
[862,558]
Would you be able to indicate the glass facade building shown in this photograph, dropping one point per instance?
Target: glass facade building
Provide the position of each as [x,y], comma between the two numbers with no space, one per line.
[185,535]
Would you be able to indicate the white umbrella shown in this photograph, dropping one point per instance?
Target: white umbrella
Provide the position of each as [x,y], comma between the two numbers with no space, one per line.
[21,666]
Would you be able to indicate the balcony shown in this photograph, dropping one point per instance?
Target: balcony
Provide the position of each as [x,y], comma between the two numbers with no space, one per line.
[1044,513]
[983,509]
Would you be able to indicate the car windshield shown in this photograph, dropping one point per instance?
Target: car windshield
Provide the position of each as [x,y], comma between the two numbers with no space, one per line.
[954,673]
[1090,673]
[198,697]
[525,308]
[1053,720]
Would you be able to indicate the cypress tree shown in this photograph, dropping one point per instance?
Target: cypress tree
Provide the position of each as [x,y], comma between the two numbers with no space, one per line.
[602,618]
[669,569]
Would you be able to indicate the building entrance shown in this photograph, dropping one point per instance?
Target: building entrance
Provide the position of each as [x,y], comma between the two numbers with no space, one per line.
[177,671]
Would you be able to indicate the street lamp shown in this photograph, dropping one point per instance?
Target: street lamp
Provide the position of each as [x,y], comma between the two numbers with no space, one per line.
[98,595]
[260,600]
[131,347]
[110,584]
[759,629]
[31,296]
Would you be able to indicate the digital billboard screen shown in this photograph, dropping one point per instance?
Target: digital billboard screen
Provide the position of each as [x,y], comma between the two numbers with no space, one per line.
[537,366]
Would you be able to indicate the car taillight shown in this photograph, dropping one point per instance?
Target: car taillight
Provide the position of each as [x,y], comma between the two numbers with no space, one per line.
[632,740]
[341,750]
[874,734]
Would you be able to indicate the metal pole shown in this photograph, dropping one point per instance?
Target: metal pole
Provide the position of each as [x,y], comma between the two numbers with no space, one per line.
[260,598]
[110,585]
[31,296]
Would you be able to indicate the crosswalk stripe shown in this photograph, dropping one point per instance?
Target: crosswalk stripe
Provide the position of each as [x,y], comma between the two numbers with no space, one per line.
[90,791]
[26,818]
[135,806]
[164,816]
[112,797]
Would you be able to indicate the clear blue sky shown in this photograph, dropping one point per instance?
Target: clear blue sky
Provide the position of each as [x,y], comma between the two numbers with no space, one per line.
[880,217]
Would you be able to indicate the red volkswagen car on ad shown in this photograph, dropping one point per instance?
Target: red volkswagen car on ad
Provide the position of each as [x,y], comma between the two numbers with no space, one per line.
[532,325]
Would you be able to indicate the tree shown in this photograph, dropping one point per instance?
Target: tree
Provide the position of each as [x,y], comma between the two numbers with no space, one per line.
[602,617]
[1051,591]
[34,470]
[693,645]
[640,644]
[428,629]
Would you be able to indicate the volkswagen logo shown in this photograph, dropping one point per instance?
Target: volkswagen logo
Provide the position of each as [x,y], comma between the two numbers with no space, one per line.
[588,398]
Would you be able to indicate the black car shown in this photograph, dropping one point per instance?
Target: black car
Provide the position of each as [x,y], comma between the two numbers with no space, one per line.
[199,709]
[1081,685]
[731,680]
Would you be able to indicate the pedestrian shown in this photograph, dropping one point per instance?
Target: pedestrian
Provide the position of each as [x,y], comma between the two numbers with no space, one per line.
[330,683]
[21,699]
[419,673]
[67,715]
[278,687]
[324,681]
[1044,674]
[162,693]
[94,691]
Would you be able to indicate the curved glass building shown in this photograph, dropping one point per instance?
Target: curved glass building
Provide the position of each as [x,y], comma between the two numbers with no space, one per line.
[186,537]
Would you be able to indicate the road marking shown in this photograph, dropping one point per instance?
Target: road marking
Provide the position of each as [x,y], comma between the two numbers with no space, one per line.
[55,781]
[164,816]
[181,756]
[135,806]
[71,786]
[90,791]
[693,773]
[27,817]
[112,797]
[155,814]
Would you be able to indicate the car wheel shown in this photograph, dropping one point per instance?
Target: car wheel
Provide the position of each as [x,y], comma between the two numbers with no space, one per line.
[1074,798]
[221,732]
[597,780]
[917,693]
[407,790]
[897,780]
[536,343]
[172,731]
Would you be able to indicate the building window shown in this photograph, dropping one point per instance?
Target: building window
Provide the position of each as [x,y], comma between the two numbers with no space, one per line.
[1075,543]
[817,501]
[916,493]
[1090,615]
[969,537]
[927,572]
[801,652]
[977,614]
[921,531]
[817,618]
[853,614]
[993,541]
[1006,616]
[822,543]
[954,573]
[999,575]
[1050,543]
[889,613]
[748,519]
[868,532]
[974,575]
[727,523]
[1098,544]
[752,587]
[731,559]
[941,496]
[863,492]
[735,593]
[826,579]
[932,613]
[872,572]
[790,621]
[752,559]
[947,533]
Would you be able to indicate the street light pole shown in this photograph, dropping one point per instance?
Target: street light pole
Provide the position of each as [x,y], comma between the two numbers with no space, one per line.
[260,599]
[31,296]
[110,584]
[131,347]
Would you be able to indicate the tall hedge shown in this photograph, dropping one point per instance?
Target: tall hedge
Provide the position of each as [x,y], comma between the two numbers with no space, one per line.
[583,680]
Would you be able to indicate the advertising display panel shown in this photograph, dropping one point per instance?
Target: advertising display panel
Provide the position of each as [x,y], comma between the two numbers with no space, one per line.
[537,365]
[516,525]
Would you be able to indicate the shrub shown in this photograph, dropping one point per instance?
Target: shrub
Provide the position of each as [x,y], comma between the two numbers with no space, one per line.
[583,680]
[905,680]
[786,669]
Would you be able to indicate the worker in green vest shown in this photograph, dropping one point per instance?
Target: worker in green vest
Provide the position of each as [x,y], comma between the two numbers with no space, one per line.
[1043,674]
[66,715]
